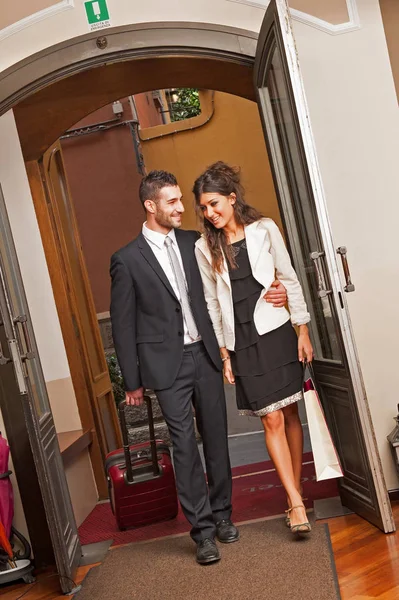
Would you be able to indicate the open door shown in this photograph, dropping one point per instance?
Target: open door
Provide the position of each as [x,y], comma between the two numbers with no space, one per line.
[285,118]
[18,349]
[75,306]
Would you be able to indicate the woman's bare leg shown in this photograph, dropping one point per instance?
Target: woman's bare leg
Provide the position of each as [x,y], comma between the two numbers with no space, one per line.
[294,434]
[279,451]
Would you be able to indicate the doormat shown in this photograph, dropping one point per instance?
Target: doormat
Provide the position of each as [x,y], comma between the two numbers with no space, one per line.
[267,562]
[257,493]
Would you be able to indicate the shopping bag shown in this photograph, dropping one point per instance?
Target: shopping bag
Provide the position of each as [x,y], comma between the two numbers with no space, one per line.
[326,461]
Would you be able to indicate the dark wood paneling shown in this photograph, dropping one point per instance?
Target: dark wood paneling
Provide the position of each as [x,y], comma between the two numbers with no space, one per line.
[393,495]
[356,487]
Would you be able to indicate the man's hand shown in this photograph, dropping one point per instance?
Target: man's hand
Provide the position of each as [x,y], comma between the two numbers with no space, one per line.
[135,398]
[276,294]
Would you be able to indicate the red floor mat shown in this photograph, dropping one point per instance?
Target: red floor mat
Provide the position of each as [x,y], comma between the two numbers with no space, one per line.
[257,492]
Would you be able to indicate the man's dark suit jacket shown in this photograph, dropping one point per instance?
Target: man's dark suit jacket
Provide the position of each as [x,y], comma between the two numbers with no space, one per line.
[146,316]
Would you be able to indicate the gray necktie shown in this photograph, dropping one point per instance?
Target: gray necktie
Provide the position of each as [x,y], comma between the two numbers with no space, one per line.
[181,284]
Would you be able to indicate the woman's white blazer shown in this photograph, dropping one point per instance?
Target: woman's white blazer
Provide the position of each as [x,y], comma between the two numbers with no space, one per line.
[269,259]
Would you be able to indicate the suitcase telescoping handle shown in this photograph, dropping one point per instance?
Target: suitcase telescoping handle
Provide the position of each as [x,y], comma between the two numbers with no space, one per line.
[153,444]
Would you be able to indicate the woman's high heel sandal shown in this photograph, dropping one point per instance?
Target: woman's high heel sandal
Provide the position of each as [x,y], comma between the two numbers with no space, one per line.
[287,518]
[300,527]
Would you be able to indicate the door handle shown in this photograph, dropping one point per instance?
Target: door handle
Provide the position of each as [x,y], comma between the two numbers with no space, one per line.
[3,359]
[23,320]
[322,290]
[349,285]
[16,359]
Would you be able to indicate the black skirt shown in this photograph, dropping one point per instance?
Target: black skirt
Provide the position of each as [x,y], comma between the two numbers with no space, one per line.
[266,368]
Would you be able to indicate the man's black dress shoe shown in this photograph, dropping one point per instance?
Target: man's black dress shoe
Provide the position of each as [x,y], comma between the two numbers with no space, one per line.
[207,551]
[226,531]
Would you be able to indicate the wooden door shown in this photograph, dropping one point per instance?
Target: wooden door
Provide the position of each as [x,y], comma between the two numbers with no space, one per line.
[75,305]
[284,113]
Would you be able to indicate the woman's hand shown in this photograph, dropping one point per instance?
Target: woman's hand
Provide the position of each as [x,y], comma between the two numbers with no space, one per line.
[227,371]
[305,348]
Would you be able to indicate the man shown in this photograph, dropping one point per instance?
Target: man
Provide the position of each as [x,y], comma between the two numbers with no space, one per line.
[164,341]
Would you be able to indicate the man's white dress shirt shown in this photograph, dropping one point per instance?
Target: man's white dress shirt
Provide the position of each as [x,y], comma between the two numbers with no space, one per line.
[156,242]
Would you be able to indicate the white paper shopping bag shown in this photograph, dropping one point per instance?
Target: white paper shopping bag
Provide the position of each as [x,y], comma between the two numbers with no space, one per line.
[326,461]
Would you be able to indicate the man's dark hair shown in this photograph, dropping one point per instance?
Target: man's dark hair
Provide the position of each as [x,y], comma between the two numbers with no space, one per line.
[152,183]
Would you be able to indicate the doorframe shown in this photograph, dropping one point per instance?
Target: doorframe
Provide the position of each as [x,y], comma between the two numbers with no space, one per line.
[189,40]
[129,42]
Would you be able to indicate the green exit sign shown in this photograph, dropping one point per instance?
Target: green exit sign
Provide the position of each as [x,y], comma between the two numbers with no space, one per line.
[97,14]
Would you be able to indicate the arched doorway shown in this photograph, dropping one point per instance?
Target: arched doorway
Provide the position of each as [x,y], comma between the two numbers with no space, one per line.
[214,59]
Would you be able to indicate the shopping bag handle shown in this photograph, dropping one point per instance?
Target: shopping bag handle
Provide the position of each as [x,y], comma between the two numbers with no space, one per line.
[308,365]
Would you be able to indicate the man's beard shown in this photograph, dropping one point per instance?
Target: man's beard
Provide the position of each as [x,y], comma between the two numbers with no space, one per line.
[165,220]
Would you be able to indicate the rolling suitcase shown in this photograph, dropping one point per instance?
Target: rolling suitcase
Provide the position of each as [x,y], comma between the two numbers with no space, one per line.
[141,479]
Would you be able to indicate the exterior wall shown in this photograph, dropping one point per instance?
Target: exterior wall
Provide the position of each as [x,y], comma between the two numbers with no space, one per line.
[147,112]
[103,177]
[231,132]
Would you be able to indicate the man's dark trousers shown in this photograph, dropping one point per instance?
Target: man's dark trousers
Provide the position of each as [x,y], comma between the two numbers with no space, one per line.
[200,384]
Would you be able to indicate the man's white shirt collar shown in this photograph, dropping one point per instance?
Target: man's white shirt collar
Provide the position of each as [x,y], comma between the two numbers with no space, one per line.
[156,237]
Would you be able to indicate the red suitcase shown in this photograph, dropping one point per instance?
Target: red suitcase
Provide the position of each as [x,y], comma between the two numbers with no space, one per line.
[141,479]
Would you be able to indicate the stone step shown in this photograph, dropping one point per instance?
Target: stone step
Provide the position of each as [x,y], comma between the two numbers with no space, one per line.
[137,435]
[137,415]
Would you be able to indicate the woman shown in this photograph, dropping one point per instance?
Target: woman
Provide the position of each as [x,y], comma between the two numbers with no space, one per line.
[239,255]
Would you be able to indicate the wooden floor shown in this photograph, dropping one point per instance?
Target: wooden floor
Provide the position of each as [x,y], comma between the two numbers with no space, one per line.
[367,564]
[367,560]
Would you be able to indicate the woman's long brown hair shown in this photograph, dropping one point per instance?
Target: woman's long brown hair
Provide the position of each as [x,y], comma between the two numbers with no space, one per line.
[222,179]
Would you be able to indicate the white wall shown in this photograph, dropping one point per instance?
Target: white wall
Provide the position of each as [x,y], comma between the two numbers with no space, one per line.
[354,114]
[72,23]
